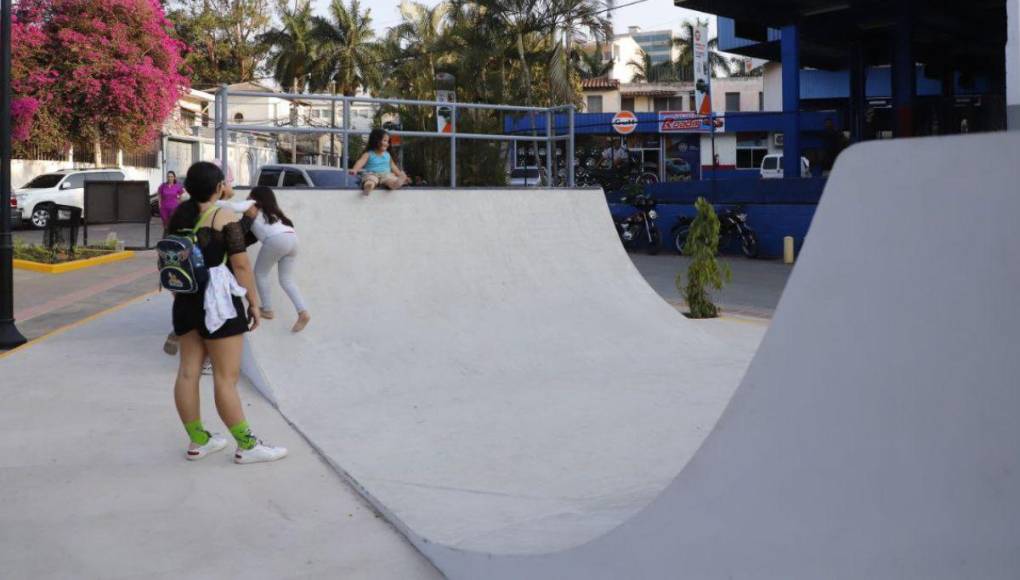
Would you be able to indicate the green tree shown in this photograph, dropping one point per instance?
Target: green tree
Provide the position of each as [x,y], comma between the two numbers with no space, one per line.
[684,65]
[348,51]
[704,270]
[646,72]
[590,64]
[223,38]
[294,50]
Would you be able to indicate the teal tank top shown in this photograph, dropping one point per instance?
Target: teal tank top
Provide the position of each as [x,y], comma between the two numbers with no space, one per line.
[378,163]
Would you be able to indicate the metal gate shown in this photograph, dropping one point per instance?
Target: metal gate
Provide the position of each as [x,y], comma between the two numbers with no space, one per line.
[179,157]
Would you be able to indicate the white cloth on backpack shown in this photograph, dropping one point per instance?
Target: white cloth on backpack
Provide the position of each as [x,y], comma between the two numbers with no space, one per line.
[219,297]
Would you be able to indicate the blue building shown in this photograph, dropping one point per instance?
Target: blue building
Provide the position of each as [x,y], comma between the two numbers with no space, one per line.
[894,68]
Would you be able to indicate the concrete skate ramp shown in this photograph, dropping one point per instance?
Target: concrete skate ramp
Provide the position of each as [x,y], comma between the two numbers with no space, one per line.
[487,365]
[876,434]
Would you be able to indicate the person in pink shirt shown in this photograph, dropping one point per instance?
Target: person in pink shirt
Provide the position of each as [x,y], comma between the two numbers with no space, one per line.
[169,197]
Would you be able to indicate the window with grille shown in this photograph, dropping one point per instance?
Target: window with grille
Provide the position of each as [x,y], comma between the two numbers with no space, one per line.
[594,104]
[751,149]
[732,102]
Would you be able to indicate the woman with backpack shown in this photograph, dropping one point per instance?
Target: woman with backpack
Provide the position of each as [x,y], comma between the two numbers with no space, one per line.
[279,248]
[212,320]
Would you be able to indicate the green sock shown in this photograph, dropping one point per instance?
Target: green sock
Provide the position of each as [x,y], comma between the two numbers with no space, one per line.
[197,433]
[242,434]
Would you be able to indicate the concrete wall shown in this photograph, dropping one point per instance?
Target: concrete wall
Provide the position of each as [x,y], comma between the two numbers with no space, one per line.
[773,82]
[624,51]
[610,100]
[749,88]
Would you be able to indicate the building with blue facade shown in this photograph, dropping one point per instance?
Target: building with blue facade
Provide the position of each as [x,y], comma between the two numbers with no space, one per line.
[885,68]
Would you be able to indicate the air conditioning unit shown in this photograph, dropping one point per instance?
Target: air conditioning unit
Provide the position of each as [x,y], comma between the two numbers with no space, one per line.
[777,139]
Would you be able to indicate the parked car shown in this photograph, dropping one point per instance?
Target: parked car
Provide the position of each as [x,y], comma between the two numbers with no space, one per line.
[15,212]
[293,175]
[64,187]
[772,167]
[529,176]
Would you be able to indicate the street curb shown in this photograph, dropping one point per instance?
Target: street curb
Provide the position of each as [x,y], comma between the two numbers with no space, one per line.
[73,265]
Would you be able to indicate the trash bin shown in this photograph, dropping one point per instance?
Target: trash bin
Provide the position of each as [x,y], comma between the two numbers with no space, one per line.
[62,229]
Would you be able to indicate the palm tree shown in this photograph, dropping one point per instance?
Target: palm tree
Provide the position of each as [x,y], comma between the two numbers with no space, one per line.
[566,18]
[684,65]
[646,72]
[590,64]
[348,52]
[293,49]
[420,38]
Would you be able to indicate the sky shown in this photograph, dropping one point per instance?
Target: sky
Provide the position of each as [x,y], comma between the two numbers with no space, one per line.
[649,14]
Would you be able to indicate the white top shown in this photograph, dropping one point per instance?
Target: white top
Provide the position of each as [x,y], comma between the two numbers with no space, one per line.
[218,300]
[264,231]
[239,206]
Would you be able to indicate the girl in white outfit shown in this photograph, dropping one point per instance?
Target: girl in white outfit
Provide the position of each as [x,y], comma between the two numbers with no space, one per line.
[279,248]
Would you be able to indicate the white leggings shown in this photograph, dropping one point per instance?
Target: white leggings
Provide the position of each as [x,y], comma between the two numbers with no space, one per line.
[280,249]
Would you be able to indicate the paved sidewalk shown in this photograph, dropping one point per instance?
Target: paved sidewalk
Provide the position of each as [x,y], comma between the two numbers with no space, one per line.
[754,290]
[95,483]
[46,302]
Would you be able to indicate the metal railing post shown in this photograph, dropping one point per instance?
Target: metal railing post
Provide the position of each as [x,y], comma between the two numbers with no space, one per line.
[225,141]
[570,146]
[550,169]
[346,153]
[453,145]
[218,121]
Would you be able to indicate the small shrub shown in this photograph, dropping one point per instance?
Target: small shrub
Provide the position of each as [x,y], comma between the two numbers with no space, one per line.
[704,270]
[43,255]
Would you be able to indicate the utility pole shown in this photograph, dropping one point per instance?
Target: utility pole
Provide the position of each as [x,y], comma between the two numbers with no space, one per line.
[9,335]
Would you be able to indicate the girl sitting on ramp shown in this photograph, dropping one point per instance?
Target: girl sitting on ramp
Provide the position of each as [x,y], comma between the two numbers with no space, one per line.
[279,248]
[380,169]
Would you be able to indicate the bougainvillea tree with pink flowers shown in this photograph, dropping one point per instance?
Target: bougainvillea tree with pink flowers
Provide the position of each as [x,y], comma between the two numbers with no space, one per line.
[93,71]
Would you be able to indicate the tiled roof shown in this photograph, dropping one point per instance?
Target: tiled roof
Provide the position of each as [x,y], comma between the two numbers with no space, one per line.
[649,93]
[600,83]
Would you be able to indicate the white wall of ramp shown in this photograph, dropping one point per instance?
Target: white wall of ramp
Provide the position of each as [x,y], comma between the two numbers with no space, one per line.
[875,434]
[487,365]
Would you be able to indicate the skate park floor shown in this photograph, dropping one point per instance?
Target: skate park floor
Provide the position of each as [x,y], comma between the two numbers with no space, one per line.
[95,483]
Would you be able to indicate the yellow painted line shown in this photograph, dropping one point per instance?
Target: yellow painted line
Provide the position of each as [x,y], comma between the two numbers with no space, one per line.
[78,323]
[73,265]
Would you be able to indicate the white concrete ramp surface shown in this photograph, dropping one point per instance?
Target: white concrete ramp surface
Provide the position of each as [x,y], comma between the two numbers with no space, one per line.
[875,434]
[488,365]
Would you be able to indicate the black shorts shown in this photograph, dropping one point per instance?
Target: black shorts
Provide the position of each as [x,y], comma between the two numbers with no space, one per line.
[189,314]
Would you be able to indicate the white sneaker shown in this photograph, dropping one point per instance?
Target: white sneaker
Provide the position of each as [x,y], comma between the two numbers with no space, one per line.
[215,443]
[259,454]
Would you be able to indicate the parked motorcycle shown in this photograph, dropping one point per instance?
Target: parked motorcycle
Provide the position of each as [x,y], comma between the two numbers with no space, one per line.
[639,227]
[614,179]
[732,226]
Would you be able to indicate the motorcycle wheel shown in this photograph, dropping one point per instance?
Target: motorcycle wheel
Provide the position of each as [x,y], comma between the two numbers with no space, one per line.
[646,179]
[749,244]
[680,238]
[629,245]
[655,244]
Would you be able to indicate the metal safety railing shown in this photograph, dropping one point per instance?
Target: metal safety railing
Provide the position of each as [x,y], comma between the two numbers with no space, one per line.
[223,127]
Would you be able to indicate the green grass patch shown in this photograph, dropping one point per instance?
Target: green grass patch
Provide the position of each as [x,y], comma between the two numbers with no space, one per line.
[43,255]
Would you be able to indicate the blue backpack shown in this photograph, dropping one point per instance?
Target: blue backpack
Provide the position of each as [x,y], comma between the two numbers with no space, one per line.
[182,268]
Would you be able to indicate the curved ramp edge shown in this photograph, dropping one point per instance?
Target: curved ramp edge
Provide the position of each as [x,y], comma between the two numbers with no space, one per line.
[488,366]
[875,433]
